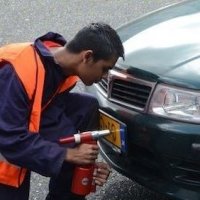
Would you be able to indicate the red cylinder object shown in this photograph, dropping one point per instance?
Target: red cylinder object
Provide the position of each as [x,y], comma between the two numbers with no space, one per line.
[82,180]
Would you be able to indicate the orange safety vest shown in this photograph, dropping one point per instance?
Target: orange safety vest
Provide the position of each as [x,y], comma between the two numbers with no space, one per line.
[30,70]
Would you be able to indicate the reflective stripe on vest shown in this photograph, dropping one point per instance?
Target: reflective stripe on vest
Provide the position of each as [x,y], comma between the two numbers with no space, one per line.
[30,70]
[9,171]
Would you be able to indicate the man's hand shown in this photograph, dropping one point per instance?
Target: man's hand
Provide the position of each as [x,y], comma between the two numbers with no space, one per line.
[101,173]
[82,154]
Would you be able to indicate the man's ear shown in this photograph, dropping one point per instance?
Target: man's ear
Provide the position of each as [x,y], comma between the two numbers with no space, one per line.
[87,56]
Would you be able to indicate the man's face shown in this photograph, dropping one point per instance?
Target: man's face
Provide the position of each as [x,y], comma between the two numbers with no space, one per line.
[93,71]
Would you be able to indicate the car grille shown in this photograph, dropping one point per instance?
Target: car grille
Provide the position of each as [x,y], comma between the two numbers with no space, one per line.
[130,92]
[104,84]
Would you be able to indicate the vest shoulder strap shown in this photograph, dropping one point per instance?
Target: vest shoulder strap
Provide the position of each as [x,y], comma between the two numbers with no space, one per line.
[26,63]
[30,70]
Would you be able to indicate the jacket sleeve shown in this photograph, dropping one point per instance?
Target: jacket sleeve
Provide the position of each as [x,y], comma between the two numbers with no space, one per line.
[17,144]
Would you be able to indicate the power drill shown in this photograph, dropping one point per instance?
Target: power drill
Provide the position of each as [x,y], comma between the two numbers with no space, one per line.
[82,181]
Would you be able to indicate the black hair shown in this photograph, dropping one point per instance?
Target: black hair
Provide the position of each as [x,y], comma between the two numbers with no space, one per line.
[100,38]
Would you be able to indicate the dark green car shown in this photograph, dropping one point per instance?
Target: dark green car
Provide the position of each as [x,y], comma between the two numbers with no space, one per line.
[152,102]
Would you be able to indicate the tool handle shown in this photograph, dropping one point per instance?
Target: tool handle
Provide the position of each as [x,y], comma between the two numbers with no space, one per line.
[84,137]
[77,138]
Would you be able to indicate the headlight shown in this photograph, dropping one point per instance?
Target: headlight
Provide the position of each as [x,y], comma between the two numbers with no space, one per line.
[175,103]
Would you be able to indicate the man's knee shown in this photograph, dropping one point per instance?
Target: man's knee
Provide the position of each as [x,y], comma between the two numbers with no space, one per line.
[94,104]
[90,101]
[90,108]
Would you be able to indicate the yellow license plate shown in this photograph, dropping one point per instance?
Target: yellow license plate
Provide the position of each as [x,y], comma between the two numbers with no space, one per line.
[117,128]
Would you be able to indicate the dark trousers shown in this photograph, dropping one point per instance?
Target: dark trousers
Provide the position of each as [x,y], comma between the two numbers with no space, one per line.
[82,112]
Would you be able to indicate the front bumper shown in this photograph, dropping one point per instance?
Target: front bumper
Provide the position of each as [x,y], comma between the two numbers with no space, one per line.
[159,155]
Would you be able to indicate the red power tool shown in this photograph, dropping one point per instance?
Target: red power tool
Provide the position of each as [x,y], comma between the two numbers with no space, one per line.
[82,181]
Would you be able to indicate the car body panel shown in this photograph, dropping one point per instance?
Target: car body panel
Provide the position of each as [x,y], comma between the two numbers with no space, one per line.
[162,47]
[177,39]
[157,36]
[155,154]
[151,19]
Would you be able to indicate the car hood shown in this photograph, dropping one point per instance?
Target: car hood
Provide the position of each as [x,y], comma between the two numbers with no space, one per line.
[169,50]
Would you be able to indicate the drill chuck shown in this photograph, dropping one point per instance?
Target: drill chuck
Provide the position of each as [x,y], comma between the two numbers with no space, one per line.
[98,134]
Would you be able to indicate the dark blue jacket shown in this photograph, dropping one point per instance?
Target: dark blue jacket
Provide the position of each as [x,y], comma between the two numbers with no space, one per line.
[37,152]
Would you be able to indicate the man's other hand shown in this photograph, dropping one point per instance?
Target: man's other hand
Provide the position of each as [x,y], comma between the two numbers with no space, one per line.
[101,173]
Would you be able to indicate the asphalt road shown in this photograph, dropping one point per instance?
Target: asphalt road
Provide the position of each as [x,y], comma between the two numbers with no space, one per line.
[23,20]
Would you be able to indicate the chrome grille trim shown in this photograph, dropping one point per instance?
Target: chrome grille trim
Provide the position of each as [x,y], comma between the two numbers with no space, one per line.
[130,93]
[104,84]
[119,84]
